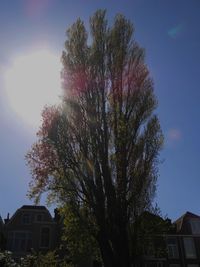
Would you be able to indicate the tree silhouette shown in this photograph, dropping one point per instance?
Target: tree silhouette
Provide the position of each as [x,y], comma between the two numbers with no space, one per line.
[99,149]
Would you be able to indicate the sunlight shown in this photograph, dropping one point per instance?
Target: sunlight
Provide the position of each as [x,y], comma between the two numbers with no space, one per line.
[33,81]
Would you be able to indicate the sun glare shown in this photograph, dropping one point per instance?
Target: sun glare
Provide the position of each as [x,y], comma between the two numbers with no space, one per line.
[33,81]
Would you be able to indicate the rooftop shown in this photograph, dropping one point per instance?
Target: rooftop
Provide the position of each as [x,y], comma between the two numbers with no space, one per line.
[33,207]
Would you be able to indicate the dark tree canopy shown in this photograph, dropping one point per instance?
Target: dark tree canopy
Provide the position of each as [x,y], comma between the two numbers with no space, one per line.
[99,150]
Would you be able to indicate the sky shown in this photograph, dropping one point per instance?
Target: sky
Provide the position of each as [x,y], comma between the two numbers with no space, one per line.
[33,30]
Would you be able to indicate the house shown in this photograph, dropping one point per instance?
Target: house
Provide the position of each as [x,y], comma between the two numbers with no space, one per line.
[182,244]
[31,227]
[163,244]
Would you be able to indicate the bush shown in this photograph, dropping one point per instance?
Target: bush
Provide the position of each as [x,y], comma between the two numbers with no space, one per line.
[50,259]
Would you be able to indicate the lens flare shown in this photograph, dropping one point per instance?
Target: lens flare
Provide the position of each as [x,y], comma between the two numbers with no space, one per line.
[31,82]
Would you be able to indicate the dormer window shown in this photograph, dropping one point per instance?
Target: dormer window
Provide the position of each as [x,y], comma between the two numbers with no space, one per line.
[26,218]
[195,227]
[39,217]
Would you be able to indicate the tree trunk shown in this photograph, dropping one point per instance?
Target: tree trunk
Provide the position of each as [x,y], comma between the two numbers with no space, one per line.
[115,253]
[106,251]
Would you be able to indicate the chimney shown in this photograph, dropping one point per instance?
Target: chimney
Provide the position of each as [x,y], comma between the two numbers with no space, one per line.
[56,215]
[7,219]
[1,223]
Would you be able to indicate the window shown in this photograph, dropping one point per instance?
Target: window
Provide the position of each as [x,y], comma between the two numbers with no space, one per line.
[172,248]
[189,246]
[10,237]
[26,218]
[39,217]
[45,235]
[154,264]
[19,241]
[195,226]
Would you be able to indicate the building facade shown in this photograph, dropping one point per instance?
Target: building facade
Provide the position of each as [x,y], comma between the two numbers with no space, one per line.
[31,227]
[182,245]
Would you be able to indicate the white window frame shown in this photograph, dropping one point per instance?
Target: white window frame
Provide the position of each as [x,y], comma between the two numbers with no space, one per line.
[157,264]
[195,226]
[173,251]
[16,245]
[189,246]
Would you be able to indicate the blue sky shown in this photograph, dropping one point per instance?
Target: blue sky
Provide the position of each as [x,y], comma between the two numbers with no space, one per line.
[170,33]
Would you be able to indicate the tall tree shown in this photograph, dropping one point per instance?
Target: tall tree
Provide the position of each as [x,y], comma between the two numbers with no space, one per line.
[99,149]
